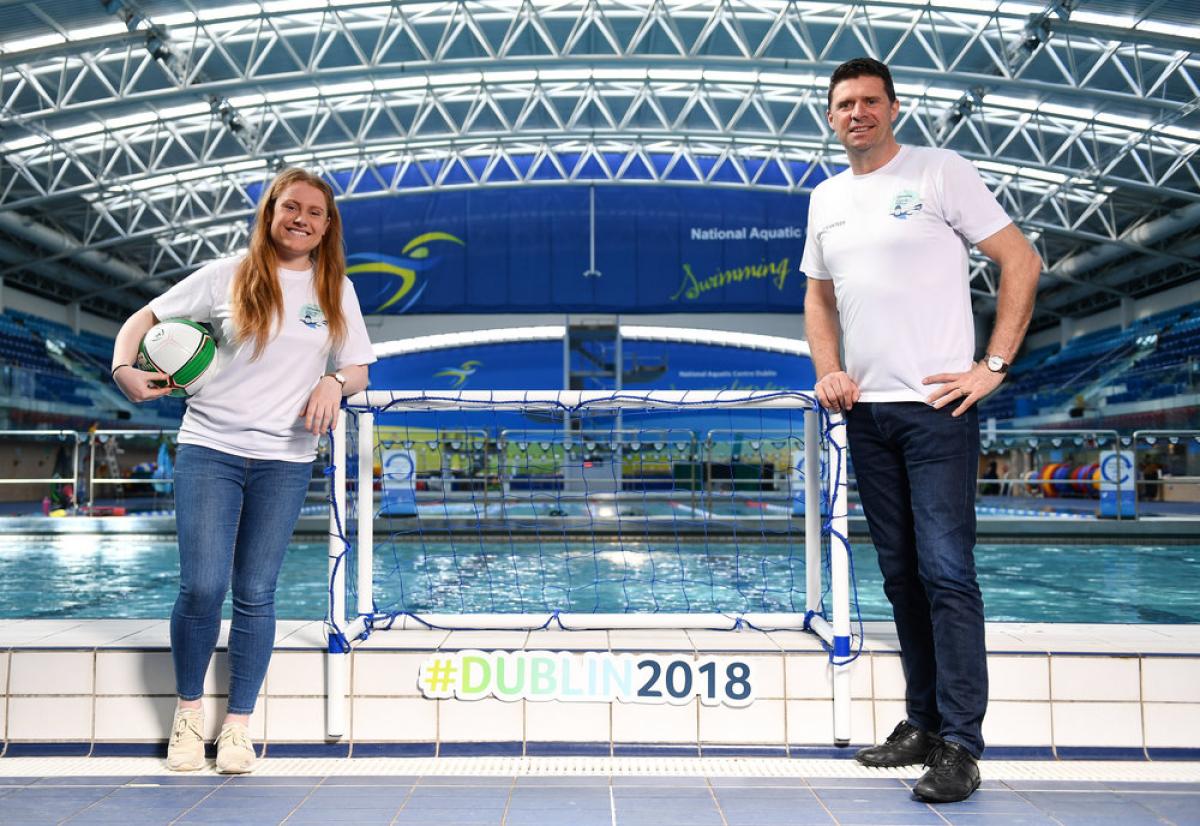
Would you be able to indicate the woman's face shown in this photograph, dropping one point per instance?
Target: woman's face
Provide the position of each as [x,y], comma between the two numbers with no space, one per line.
[299,223]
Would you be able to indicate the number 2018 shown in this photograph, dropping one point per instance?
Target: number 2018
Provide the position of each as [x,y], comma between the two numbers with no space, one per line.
[677,681]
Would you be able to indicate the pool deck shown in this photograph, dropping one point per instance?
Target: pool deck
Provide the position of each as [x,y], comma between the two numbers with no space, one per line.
[596,792]
[1087,724]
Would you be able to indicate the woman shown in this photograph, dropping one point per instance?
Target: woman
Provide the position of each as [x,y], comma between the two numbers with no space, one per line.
[283,314]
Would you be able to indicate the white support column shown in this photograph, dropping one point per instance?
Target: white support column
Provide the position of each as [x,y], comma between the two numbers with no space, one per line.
[1128,310]
[365,553]
[812,510]
[840,575]
[335,657]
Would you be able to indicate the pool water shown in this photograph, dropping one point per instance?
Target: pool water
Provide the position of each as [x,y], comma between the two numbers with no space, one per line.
[98,576]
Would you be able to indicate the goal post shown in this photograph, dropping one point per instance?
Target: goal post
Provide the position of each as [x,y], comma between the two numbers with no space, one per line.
[685,503]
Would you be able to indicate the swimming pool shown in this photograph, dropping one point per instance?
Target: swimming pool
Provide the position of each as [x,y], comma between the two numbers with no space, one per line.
[97,576]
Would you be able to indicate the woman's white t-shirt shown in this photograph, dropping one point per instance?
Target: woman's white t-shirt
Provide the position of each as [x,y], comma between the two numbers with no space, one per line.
[896,243]
[251,408]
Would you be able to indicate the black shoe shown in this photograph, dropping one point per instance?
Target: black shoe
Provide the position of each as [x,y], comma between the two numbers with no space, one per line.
[906,746]
[953,775]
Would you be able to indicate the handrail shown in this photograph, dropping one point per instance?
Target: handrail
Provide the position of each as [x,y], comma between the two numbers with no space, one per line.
[61,435]
[1140,435]
[990,437]
[93,439]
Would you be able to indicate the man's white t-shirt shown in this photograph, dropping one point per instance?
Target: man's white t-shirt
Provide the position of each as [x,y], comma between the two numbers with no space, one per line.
[251,408]
[895,242]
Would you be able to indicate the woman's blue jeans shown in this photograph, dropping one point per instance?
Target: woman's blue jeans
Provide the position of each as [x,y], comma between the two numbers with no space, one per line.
[235,517]
[916,468]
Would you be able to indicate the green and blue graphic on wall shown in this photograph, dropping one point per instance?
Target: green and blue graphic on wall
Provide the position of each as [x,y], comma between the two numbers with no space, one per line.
[459,374]
[391,284]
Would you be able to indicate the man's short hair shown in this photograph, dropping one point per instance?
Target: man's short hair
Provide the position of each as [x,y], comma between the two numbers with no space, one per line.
[858,67]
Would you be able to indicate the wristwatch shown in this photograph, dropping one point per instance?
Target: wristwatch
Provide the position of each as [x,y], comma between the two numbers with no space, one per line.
[996,364]
[338,377]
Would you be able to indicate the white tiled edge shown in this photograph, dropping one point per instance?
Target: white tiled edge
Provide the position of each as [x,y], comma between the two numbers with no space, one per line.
[62,685]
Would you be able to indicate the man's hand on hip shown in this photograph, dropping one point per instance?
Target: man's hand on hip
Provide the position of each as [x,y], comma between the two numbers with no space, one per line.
[966,388]
[836,391]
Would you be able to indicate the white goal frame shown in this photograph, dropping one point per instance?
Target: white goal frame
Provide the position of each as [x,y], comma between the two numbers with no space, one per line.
[836,633]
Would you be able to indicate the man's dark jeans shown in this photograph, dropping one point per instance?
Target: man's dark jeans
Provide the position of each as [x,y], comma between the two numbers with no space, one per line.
[916,469]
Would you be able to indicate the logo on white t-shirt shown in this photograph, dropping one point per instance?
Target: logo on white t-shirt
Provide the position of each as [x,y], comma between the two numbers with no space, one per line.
[313,317]
[906,203]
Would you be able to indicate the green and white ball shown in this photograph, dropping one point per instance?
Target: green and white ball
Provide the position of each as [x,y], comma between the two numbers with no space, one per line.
[183,350]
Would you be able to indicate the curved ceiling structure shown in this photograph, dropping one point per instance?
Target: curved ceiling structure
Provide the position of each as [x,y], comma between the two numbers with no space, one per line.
[131,132]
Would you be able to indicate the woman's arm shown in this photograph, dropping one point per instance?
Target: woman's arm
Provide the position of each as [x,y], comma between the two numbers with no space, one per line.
[321,411]
[137,385]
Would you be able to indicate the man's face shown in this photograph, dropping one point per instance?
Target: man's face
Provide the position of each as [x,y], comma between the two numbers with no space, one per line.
[861,114]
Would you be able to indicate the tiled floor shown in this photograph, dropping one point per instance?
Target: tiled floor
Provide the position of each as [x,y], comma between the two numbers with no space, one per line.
[576,801]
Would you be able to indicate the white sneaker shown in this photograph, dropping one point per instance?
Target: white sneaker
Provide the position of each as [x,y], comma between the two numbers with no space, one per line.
[235,752]
[185,749]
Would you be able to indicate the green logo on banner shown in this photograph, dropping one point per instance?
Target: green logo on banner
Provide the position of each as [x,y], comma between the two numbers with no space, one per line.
[692,288]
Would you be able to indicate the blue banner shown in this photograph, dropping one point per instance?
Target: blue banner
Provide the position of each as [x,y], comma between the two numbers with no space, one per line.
[648,365]
[657,249]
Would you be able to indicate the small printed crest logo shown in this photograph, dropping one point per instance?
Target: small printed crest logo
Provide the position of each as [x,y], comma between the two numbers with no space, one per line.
[157,334]
[905,204]
[312,316]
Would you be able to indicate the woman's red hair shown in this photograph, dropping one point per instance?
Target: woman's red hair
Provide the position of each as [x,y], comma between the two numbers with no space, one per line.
[257,293]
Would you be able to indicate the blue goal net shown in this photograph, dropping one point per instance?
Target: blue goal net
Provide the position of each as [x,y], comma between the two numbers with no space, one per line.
[586,509]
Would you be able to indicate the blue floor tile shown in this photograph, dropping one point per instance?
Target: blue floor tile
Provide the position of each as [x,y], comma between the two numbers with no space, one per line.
[466,781]
[996,819]
[371,780]
[1180,808]
[180,779]
[819,818]
[446,817]
[116,819]
[855,783]
[1182,788]
[757,782]
[109,781]
[648,818]
[992,801]
[447,799]
[329,803]
[1057,785]
[791,796]
[868,800]
[919,817]
[224,820]
[242,780]
[1102,804]
[583,782]
[667,782]
[301,819]
[346,811]
[1143,818]
[550,817]
[47,803]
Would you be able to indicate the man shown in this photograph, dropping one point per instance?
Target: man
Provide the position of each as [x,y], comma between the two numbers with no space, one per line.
[886,258]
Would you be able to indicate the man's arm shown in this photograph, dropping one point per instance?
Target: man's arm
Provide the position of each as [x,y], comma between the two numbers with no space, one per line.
[1020,267]
[836,391]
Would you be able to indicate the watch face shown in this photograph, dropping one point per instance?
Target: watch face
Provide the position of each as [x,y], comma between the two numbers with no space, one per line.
[995,364]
